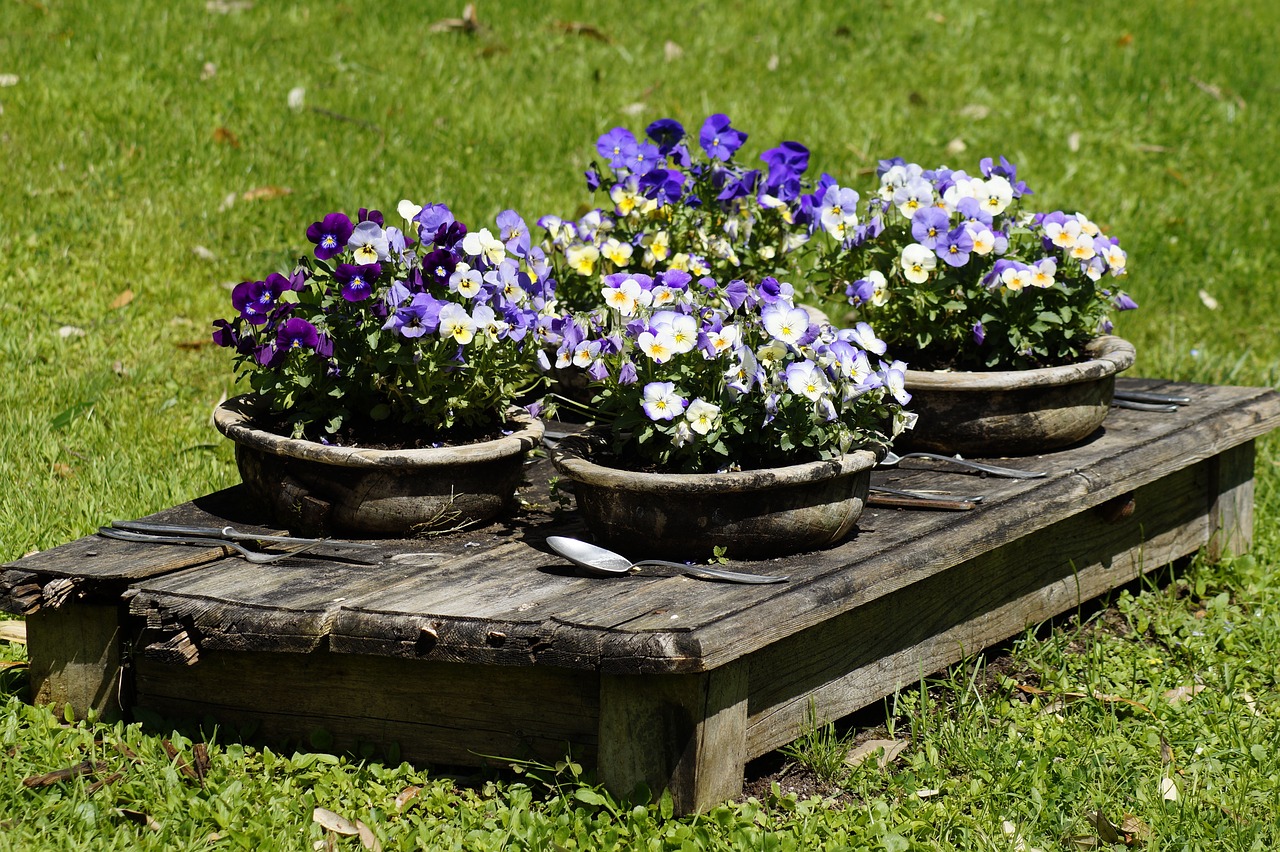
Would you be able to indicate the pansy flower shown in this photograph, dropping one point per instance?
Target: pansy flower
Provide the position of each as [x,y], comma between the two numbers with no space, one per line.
[330,235]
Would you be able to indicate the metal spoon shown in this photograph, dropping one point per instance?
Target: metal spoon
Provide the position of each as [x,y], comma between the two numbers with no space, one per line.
[891,460]
[600,562]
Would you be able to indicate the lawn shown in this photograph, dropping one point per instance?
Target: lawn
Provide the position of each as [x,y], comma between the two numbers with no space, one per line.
[157,153]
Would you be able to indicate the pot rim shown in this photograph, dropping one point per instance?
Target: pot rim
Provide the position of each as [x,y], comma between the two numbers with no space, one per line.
[234,418]
[1109,355]
[570,457]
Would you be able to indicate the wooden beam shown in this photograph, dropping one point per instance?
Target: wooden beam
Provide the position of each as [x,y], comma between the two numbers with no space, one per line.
[1231,502]
[76,655]
[682,733]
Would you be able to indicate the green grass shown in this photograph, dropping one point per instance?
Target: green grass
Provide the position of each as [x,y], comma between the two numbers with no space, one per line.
[123,215]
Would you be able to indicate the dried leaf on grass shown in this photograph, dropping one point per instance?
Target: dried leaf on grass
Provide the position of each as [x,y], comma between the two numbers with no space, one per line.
[886,751]
[87,767]
[1209,302]
[468,23]
[1168,789]
[103,782]
[672,51]
[13,631]
[1183,694]
[581,29]
[223,136]
[1064,698]
[265,193]
[406,796]
[121,300]
[332,822]
[71,331]
[203,253]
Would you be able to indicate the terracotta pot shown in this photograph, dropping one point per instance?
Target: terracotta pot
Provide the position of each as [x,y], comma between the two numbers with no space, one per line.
[1020,412]
[751,513]
[319,489]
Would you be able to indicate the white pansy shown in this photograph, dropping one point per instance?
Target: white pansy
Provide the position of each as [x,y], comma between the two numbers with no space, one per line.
[917,262]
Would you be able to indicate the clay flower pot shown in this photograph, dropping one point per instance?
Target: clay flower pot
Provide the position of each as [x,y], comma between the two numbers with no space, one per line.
[317,488]
[751,513]
[1020,412]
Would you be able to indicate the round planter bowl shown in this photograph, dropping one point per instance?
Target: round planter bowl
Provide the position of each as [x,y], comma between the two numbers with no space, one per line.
[751,513]
[320,488]
[1020,412]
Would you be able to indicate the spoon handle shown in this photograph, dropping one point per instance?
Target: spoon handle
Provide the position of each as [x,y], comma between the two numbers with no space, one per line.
[994,470]
[705,572]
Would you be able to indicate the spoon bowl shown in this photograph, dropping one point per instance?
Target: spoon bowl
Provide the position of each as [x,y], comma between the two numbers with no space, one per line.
[597,561]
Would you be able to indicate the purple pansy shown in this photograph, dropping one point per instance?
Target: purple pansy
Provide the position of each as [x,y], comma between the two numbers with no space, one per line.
[667,133]
[357,280]
[296,332]
[618,146]
[719,139]
[330,235]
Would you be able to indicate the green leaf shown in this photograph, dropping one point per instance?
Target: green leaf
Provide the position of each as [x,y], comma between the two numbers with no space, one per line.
[666,806]
[591,797]
[64,418]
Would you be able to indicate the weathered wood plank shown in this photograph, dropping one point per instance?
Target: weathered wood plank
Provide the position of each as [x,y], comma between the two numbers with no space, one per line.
[891,641]
[281,606]
[683,733]
[436,712]
[75,658]
[1231,512]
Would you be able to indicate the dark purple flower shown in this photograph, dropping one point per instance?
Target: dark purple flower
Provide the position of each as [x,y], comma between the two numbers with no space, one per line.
[431,219]
[720,140]
[593,179]
[664,186]
[979,333]
[254,300]
[791,156]
[618,146]
[330,235]
[450,235]
[296,332]
[357,281]
[438,265]
[374,216]
[666,132]
[770,290]
[740,187]
[224,334]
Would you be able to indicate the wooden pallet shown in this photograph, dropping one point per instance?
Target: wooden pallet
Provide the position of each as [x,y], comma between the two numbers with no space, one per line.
[485,643]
